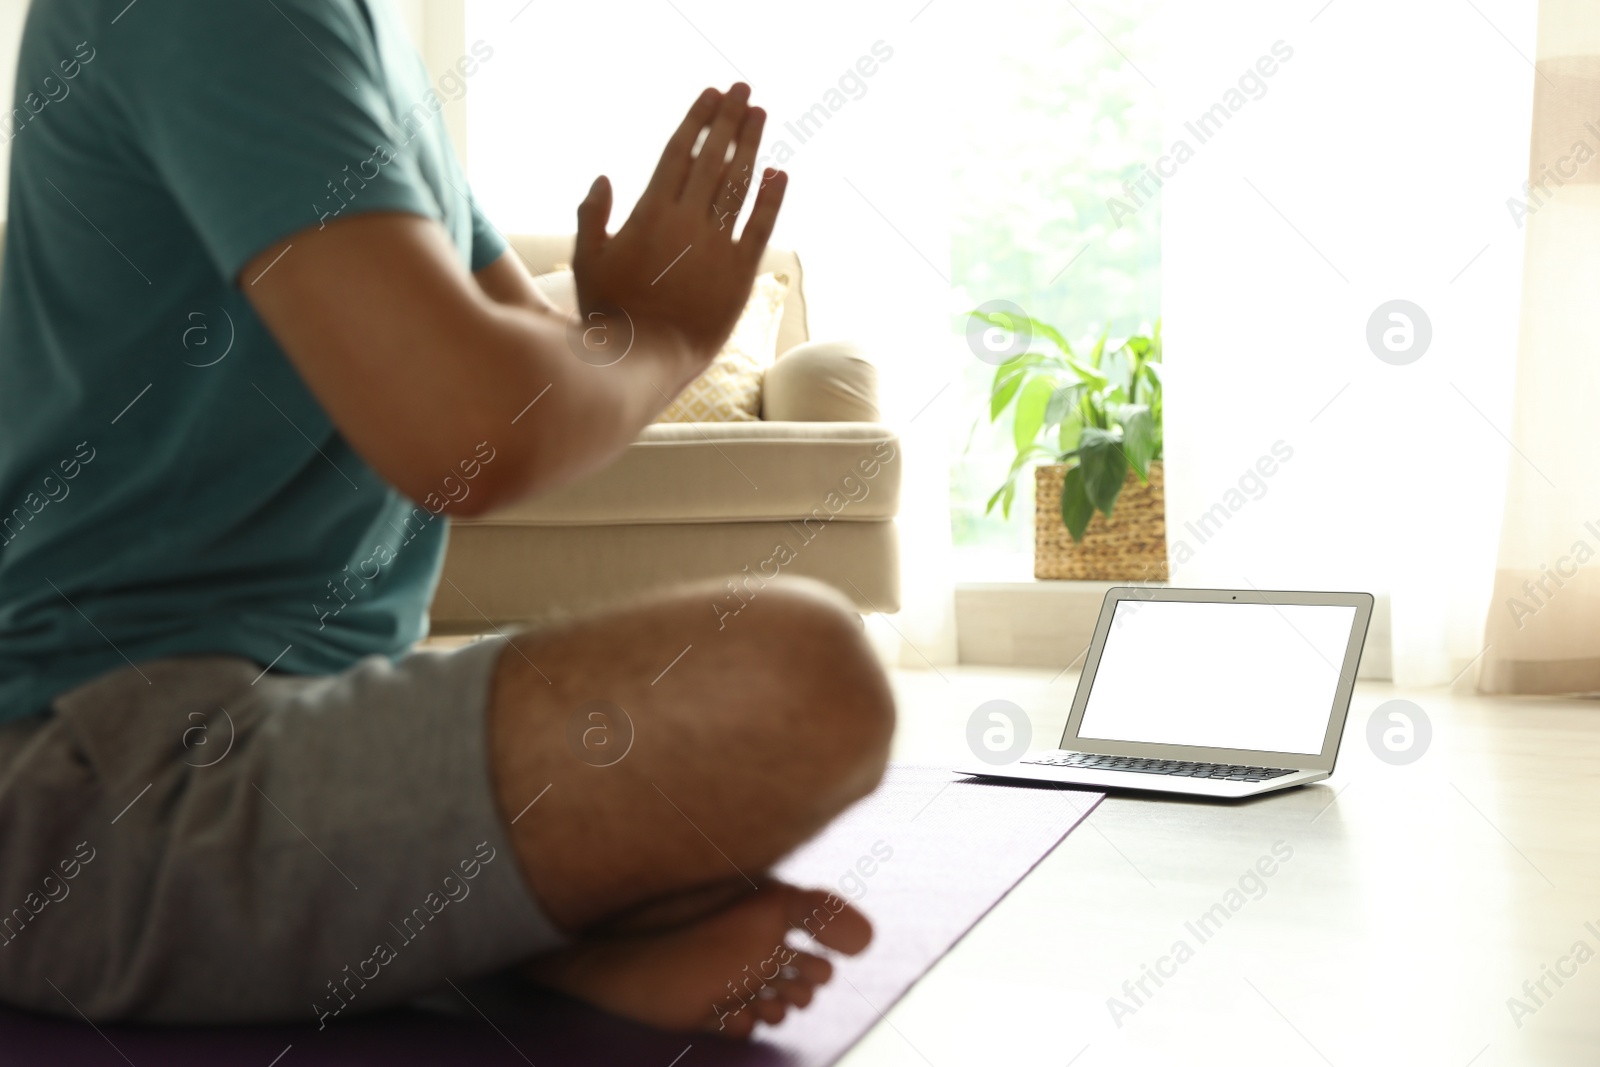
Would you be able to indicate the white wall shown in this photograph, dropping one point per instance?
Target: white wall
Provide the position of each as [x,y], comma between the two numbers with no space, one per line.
[1375,167]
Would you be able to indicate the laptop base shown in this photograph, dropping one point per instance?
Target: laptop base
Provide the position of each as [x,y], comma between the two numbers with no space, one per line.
[1134,780]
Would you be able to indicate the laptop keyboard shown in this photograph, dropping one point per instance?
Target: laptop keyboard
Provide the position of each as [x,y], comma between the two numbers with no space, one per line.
[1177,768]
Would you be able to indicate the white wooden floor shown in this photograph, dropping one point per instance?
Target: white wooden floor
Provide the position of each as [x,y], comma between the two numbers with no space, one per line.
[1416,903]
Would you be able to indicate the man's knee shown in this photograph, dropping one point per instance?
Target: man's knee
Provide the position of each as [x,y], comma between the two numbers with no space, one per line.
[819,649]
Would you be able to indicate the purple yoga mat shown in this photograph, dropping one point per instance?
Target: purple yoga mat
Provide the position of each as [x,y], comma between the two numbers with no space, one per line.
[925,856]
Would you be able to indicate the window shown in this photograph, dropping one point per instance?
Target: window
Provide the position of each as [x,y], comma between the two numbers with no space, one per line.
[1053,119]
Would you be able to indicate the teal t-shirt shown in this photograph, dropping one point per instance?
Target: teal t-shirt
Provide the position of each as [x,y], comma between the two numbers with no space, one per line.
[168,484]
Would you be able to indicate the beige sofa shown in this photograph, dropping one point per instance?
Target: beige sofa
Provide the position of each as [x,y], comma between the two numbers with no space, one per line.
[811,489]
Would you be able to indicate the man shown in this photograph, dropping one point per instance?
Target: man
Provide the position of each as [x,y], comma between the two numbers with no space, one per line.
[254,336]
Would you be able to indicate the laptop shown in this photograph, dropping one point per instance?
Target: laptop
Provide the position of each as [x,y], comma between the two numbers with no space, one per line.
[1207,692]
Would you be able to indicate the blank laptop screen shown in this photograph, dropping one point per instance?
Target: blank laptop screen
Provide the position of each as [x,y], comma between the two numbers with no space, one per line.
[1248,676]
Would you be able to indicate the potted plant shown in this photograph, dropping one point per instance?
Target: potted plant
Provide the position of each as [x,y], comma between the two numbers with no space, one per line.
[1091,425]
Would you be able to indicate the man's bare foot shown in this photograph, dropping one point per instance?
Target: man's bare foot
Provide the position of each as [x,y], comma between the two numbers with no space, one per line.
[723,972]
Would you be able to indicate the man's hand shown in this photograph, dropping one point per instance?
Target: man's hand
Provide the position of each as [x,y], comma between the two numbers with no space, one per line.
[675,269]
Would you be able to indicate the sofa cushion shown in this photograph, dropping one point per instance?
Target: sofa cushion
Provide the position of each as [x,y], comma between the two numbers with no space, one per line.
[505,575]
[730,472]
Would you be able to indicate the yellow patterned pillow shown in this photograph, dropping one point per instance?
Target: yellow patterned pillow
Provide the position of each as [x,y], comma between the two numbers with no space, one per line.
[730,389]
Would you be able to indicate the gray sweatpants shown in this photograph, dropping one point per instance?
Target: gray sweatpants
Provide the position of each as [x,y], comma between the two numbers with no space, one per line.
[191,840]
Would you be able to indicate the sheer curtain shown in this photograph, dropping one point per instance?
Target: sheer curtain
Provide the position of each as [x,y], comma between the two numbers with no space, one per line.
[853,92]
[1327,161]
[1543,632]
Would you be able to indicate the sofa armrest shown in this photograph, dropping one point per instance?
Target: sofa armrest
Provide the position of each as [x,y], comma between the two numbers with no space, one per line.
[821,381]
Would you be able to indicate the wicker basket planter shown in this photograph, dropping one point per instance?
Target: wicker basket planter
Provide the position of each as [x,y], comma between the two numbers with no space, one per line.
[1129,546]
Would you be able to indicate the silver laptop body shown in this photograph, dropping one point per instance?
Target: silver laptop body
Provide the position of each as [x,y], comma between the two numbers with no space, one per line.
[1207,692]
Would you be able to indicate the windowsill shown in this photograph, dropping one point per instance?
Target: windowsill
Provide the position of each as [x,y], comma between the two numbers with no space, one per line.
[1027,622]
[1049,586]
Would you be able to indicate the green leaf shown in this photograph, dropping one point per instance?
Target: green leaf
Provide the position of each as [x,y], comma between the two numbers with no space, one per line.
[1018,324]
[1031,403]
[995,499]
[1018,364]
[1062,401]
[1006,372]
[1099,347]
[1153,374]
[1003,496]
[1147,386]
[1031,454]
[1088,375]
[1056,338]
[1010,375]
[1076,510]
[1012,324]
[1104,465]
[1072,424]
[1045,330]
[1003,392]
[1139,439]
[971,433]
[1119,374]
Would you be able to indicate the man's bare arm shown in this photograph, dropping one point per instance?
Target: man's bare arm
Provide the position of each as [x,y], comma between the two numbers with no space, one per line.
[417,361]
[508,281]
